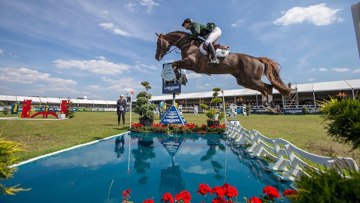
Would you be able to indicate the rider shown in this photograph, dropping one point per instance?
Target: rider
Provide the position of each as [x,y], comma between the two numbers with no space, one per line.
[210,32]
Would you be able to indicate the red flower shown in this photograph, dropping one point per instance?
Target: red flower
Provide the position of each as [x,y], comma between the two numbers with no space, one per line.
[230,191]
[219,200]
[137,125]
[203,189]
[184,196]
[271,192]
[148,201]
[289,192]
[126,194]
[254,200]
[220,192]
[167,197]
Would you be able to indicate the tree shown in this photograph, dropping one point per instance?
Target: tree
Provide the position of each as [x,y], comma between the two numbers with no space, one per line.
[335,184]
[143,107]
[344,118]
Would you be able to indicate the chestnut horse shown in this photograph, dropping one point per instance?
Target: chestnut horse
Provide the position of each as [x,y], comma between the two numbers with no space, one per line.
[246,69]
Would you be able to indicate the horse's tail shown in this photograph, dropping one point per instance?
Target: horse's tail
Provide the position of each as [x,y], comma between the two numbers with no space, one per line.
[272,70]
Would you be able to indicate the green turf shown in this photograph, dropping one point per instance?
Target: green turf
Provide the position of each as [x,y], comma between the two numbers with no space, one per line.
[40,137]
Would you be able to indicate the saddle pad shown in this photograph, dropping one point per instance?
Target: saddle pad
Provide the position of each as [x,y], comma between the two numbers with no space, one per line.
[219,52]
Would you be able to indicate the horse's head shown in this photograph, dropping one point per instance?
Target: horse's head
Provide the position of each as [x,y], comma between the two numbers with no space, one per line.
[162,47]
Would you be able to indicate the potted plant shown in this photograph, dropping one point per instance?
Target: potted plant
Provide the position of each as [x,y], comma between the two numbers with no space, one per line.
[214,115]
[143,107]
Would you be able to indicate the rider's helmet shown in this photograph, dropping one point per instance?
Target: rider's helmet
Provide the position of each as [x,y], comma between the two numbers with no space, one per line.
[187,20]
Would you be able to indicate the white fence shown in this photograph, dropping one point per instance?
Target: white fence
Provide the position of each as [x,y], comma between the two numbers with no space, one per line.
[289,161]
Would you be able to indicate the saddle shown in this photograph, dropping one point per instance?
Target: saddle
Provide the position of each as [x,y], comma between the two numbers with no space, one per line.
[220,50]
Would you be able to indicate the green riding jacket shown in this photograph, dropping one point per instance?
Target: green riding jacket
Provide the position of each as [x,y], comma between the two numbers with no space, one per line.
[198,29]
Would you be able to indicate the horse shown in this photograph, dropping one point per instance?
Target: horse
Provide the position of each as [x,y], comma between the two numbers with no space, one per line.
[246,69]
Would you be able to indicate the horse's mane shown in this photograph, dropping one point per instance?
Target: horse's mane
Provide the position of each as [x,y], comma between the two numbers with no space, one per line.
[178,31]
[198,41]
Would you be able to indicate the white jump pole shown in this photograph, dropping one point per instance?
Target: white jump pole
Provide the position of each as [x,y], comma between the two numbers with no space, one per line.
[222,91]
[131,93]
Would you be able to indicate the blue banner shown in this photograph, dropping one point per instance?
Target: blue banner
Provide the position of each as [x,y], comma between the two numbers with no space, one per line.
[171,87]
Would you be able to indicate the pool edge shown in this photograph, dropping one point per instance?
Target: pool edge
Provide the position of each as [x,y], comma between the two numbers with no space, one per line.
[66,149]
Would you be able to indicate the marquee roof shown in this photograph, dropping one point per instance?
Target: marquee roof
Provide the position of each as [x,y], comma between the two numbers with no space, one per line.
[301,88]
[306,87]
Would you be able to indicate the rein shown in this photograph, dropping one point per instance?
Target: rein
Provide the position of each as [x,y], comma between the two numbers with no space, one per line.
[175,43]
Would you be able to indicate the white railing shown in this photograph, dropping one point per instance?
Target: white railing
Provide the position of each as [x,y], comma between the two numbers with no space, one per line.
[290,161]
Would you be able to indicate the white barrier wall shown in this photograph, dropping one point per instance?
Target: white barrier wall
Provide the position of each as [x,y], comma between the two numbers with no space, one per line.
[289,161]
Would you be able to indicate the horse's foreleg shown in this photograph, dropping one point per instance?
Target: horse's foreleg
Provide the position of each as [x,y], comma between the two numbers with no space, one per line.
[182,64]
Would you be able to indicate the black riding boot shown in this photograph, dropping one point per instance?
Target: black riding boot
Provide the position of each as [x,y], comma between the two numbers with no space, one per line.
[213,57]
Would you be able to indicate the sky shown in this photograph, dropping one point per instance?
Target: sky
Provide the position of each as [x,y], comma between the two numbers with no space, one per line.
[104,48]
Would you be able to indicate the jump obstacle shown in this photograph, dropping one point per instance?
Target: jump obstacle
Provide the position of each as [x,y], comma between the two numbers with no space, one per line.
[26,110]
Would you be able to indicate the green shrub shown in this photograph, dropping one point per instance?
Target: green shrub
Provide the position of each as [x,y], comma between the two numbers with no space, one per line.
[344,117]
[7,158]
[6,110]
[211,112]
[143,107]
[329,185]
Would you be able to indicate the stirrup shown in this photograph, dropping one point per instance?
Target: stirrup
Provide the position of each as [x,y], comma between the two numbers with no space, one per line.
[214,61]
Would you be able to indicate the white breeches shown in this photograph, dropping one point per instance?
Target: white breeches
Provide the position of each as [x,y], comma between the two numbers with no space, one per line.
[213,36]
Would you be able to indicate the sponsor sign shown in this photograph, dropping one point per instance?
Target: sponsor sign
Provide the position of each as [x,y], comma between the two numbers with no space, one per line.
[172,116]
[170,84]
[294,111]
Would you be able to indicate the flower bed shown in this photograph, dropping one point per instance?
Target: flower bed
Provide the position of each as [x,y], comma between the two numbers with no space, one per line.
[219,194]
[187,128]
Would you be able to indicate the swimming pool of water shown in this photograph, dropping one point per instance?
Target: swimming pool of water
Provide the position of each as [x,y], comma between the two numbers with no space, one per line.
[149,164]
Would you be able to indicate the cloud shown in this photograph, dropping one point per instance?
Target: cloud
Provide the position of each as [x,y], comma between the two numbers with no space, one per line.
[319,15]
[198,170]
[311,79]
[356,71]
[114,29]
[238,23]
[122,85]
[148,4]
[99,66]
[145,68]
[27,81]
[206,86]
[340,70]
[193,75]
[30,76]
[2,52]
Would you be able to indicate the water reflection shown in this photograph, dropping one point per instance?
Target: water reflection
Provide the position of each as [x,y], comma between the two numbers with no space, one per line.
[119,146]
[214,143]
[142,155]
[160,163]
[257,168]
[170,178]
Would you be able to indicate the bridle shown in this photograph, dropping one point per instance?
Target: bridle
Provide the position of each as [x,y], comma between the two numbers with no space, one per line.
[162,53]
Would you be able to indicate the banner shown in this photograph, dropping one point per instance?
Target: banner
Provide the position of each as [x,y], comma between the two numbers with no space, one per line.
[169,83]
[172,116]
[294,111]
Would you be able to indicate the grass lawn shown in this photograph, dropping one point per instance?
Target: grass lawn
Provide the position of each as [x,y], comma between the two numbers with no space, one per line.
[40,136]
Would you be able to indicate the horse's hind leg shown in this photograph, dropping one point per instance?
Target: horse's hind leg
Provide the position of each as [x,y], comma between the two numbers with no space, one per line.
[263,88]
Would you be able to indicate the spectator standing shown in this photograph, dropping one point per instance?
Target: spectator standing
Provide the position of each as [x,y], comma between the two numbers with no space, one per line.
[121,109]
[196,110]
